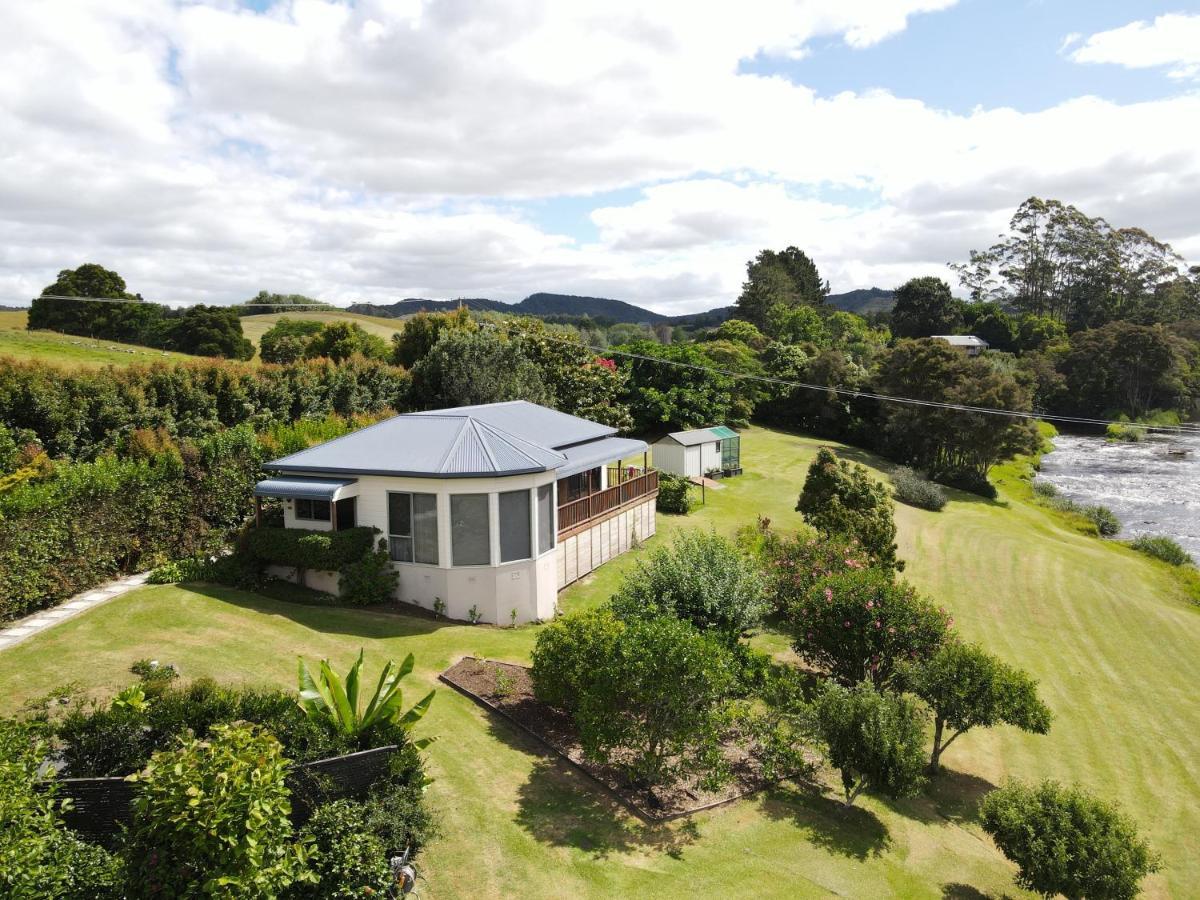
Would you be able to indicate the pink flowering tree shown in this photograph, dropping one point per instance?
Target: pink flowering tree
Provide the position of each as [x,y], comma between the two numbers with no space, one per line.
[862,624]
[797,562]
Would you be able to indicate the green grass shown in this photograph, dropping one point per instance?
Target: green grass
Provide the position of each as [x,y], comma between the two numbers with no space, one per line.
[71,350]
[254,327]
[1107,632]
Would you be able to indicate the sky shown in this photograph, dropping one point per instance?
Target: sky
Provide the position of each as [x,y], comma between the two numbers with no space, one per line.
[383,149]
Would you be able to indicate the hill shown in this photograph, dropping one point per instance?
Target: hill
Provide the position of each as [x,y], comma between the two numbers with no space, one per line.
[254,327]
[863,300]
[71,350]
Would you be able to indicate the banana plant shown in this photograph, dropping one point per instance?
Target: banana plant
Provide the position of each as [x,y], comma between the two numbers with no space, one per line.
[328,697]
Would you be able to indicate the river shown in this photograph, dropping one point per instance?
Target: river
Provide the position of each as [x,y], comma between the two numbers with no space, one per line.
[1151,491]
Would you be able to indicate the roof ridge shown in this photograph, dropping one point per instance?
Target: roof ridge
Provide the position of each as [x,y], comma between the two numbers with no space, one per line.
[515,441]
[454,444]
[478,427]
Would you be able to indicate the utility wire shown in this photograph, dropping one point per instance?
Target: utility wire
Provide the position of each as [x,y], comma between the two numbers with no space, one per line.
[288,306]
[848,392]
[1184,429]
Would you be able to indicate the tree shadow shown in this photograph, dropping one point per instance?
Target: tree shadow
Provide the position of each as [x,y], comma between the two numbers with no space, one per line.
[959,891]
[561,806]
[384,622]
[826,822]
[949,797]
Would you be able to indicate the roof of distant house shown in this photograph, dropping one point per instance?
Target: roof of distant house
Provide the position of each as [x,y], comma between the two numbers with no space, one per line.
[962,340]
[490,440]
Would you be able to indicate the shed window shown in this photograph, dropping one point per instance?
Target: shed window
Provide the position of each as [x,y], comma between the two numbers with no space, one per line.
[516,540]
[412,527]
[313,510]
[545,517]
[470,538]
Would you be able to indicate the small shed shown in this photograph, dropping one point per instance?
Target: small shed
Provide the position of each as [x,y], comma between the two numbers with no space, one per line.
[967,343]
[699,452]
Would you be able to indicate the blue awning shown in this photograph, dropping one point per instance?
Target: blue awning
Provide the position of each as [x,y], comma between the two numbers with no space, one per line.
[597,453]
[301,487]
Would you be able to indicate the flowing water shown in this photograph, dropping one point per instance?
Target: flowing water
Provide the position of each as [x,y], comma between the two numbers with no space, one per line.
[1150,490]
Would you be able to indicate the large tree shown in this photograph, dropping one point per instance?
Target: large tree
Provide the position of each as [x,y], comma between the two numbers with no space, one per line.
[673,386]
[785,277]
[925,306]
[1125,368]
[841,498]
[465,368]
[966,687]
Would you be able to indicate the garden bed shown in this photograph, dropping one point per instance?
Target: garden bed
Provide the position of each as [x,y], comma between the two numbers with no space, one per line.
[513,699]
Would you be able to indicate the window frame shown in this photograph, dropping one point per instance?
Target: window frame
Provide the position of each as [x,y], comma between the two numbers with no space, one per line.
[530,539]
[299,503]
[487,520]
[396,538]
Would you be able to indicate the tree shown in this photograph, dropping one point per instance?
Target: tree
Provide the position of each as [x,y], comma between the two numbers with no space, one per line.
[797,325]
[678,393]
[787,277]
[128,322]
[465,368]
[925,306]
[286,340]
[874,739]
[842,498]
[966,687]
[1064,841]
[422,331]
[89,280]
[341,340]
[569,650]
[204,331]
[741,331]
[862,624]
[1125,368]
[701,578]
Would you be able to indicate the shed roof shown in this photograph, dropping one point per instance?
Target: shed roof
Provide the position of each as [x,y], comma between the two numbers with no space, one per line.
[692,438]
[961,340]
[469,441]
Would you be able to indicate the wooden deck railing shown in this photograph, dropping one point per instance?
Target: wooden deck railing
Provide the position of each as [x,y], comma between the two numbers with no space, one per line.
[578,512]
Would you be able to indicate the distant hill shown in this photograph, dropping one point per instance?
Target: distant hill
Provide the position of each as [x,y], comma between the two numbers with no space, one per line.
[14,309]
[863,301]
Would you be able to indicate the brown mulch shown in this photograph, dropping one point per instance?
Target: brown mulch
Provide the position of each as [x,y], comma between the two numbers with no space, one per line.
[514,701]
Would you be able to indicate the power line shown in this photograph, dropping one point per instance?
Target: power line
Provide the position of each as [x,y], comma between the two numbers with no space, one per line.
[848,392]
[289,306]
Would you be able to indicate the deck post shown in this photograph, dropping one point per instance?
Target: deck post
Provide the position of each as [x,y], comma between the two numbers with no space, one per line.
[258,512]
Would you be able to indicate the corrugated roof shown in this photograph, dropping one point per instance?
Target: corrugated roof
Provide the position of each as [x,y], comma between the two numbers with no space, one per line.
[463,442]
[693,437]
[596,453]
[961,340]
[722,431]
[548,427]
[304,488]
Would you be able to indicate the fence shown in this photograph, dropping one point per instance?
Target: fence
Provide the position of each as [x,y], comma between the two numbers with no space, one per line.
[100,806]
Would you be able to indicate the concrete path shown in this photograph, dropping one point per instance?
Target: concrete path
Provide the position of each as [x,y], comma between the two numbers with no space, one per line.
[17,631]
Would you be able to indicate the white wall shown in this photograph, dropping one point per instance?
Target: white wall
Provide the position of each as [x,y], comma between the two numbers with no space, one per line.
[710,457]
[670,457]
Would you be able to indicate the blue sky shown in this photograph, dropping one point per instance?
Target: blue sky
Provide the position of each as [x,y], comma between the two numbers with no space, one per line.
[379,149]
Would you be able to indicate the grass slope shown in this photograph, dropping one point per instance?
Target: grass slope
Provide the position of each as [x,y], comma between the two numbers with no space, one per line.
[1108,634]
[71,350]
[254,327]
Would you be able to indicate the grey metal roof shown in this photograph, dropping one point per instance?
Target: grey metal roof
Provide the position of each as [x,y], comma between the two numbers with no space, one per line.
[961,340]
[693,437]
[304,488]
[595,453]
[548,427]
[469,441]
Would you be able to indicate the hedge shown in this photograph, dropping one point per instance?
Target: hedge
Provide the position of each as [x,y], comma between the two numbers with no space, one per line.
[300,548]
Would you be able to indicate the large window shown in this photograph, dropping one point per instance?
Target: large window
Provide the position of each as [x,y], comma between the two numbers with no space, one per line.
[412,528]
[470,541]
[312,510]
[545,517]
[516,539]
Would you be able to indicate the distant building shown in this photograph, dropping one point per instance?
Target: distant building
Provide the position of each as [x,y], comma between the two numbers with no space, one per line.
[968,343]
[702,451]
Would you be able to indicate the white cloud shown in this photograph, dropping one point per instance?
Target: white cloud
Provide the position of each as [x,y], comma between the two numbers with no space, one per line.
[385,150]
[1171,40]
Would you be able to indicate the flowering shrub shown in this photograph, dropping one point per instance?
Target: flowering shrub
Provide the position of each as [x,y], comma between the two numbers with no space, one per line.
[862,624]
[794,564]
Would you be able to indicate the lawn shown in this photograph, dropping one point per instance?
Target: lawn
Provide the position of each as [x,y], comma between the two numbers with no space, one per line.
[254,327]
[71,350]
[1108,633]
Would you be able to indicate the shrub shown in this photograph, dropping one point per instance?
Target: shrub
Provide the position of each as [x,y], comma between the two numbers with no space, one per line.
[862,624]
[966,687]
[841,498]
[674,494]
[795,563]
[371,579]
[874,739]
[303,549]
[970,481]
[180,570]
[568,650]
[347,859]
[652,706]
[212,817]
[1045,489]
[1105,520]
[1065,841]
[1162,548]
[701,578]
[916,490]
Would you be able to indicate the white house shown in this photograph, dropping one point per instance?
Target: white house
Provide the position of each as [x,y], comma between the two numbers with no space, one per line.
[968,343]
[496,507]
[699,451]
